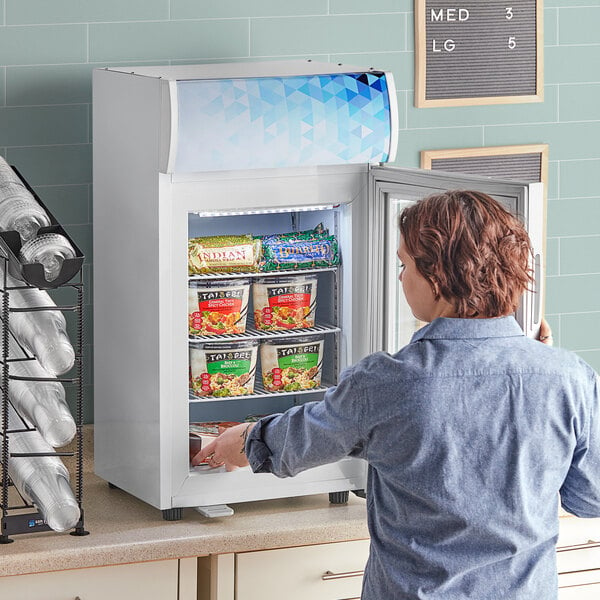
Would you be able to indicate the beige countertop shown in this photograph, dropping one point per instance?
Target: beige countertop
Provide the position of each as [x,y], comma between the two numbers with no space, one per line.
[124,529]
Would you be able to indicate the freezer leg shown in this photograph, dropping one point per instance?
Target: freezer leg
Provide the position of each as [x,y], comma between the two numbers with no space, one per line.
[339,497]
[172,514]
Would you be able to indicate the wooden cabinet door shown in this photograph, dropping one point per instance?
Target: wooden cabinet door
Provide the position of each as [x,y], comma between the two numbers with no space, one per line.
[321,572]
[139,581]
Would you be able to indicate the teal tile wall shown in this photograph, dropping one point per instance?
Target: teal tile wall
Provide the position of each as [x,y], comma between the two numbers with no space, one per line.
[48,51]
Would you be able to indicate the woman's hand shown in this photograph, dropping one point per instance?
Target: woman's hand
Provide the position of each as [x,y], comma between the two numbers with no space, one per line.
[545,335]
[228,449]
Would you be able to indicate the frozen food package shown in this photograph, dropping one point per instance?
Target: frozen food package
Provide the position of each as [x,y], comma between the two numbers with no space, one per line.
[218,307]
[282,303]
[318,230]
[299,250]
[223,254]
[202,434]
[220,369]
[292,364]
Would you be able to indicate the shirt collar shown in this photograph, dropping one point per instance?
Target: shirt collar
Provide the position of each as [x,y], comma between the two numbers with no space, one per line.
[445,328]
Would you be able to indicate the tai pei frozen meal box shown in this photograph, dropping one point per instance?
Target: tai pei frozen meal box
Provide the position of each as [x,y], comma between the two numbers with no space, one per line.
[285,302]
[223,369]
[292,364]
[218,307]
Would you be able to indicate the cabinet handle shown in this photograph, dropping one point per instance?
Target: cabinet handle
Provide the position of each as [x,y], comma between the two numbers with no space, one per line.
[328,575]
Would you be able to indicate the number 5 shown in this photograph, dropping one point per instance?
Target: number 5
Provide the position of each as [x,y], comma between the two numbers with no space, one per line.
[509,13]
[512,43]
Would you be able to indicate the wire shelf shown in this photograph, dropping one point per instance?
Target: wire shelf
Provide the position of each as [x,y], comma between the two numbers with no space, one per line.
[257,274]
[259,392]
[257,334]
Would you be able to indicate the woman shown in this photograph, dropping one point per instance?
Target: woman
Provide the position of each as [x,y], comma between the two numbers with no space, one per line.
[470,432]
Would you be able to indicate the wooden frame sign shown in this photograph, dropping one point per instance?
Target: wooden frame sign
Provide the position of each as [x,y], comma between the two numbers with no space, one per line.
[528,163]
[478,52]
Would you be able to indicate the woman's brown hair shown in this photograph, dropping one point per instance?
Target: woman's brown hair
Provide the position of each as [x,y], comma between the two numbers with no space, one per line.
[474,253]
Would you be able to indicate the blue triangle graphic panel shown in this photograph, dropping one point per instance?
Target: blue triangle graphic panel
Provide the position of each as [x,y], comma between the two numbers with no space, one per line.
[282,121]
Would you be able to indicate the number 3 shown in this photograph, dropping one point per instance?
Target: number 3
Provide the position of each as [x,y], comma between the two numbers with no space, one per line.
[509,13]
[512,43]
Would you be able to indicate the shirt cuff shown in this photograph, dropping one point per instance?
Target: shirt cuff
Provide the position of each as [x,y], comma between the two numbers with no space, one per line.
[257,451]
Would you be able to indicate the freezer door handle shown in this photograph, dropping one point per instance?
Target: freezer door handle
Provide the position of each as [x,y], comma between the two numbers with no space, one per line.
[537,275]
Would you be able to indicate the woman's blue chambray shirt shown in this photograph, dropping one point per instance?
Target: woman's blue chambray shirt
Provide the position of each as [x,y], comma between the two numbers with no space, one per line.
[470,432]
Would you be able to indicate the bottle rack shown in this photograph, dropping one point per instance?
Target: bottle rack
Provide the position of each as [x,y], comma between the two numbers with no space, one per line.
[21,517]
[10,242]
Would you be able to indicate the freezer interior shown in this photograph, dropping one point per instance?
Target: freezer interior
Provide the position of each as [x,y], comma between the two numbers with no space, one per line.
[331,316]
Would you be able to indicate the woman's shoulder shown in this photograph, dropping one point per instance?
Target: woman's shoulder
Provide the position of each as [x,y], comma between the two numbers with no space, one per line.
[383,365]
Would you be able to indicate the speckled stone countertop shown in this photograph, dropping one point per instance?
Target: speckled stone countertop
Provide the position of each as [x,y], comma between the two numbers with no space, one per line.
[124,529]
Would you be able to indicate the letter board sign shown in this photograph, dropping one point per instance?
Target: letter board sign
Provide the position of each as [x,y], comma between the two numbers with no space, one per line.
[478,52]
[528,163]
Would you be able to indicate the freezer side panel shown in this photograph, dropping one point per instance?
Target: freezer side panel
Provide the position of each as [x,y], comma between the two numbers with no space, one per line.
[127,409]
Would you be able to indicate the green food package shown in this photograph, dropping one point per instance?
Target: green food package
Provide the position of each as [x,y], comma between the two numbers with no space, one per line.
[299,250]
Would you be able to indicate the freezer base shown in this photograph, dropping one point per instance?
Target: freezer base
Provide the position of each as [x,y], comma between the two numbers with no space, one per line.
[209,488]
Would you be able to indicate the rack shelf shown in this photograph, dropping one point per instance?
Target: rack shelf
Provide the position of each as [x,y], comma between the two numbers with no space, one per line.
[259,392]
[257,334]
[257,274]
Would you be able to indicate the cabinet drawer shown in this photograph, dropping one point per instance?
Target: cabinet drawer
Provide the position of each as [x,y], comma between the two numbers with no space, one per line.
[579,586]
[323,572]
[574,531]
[578,558]
[139,581]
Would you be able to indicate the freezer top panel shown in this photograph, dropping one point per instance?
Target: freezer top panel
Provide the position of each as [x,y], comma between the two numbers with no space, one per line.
[243,70]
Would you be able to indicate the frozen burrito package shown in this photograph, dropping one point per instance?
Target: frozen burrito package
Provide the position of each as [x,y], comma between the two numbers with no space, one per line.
[223,254]
[299,250]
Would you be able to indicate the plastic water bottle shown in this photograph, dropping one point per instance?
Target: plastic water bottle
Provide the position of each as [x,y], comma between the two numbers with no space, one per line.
[42,333]
[20,211]
[7,175]
[49,249]
[42,403]
[41,480]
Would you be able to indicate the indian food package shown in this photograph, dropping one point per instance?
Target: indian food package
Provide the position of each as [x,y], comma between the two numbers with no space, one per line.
[299,250]
[223,254]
